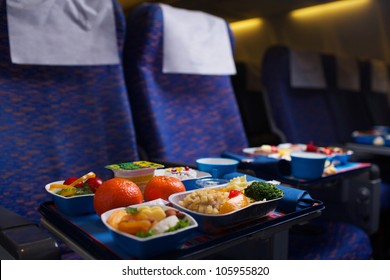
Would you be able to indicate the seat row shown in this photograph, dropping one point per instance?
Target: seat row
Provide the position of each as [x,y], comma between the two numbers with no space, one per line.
[323,97]
[58,121]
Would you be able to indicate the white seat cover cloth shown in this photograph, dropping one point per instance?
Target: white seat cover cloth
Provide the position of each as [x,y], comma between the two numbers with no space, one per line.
[195,43]
[306,70]
[62,32]
[348,76]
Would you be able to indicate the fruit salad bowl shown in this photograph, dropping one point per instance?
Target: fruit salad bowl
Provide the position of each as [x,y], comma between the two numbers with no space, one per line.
[148,246]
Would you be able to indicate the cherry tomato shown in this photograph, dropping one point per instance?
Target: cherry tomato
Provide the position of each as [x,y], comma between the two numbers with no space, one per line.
[70,180]
[94,183]
[234,193]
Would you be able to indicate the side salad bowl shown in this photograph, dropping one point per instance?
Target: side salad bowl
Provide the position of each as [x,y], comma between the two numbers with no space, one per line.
[73,205]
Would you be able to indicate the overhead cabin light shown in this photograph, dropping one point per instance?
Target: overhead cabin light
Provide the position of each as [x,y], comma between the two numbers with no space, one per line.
[333,7]
[247,24]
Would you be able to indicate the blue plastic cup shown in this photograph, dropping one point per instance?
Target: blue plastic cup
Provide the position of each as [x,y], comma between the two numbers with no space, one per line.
[307,165]
[217,167]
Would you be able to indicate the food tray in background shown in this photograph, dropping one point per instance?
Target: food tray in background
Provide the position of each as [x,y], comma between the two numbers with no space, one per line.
[215,223]
[376,140]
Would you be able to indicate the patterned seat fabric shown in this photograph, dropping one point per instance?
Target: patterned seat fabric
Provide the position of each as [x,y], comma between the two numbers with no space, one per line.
[58,122]
[328,240]
[302,114]
[178,117]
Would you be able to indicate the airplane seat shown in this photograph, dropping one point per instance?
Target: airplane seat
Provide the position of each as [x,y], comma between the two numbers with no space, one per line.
[58,122]
[299,110]
[345,96]
[352,101]
[179,117]
[258,124]
[375,88]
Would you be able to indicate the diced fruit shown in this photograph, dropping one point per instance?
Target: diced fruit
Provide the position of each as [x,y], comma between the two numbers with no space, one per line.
[233,204]
[153,213]
[234,193]
[133,227]
[116,217]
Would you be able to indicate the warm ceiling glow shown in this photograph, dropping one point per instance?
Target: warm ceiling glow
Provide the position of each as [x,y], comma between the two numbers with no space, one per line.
[333,7]
[246,24]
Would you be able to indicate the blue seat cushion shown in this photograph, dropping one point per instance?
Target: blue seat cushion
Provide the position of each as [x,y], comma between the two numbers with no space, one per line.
[329,240]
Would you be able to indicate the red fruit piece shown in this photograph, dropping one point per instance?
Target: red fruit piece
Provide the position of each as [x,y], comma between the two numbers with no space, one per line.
[311,147]
[234,193]
[94,183]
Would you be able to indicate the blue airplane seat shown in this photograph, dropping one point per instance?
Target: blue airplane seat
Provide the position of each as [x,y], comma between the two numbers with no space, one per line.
[58,122]
[259,126]
[178,117]
[303,113]
[181,117]
[300,111]
[375,88]
[346,98]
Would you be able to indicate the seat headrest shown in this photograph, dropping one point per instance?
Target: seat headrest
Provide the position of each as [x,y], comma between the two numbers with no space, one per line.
[348,76]
[306,70]
[68,32]
[195,42]
[379,76]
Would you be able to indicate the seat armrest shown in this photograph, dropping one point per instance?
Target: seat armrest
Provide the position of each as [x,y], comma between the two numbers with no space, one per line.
[25,240]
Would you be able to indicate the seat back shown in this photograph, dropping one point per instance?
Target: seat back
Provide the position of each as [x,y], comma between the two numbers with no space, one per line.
[178,117]
[375,87]
[58,122]
[345,95]
[259,126]
[302,113]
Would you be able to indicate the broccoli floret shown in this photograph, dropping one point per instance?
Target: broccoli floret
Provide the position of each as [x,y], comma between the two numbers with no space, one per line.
[262,190]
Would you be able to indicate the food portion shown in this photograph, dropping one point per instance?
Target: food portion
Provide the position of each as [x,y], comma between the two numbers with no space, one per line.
[74,186]
[266,149]
[115,193]
[181,173]
[329,150]
[262,191]
[162,187]
[135,165]
[146,221]
[140,172]
[237,194]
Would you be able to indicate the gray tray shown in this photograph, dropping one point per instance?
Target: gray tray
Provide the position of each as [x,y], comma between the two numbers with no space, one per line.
[220,222]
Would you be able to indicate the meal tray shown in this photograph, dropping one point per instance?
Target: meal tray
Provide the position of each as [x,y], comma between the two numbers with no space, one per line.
[90,235]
